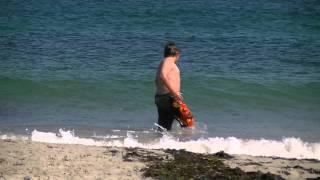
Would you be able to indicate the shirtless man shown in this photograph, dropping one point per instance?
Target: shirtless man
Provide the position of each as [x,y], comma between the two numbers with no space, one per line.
[168,86]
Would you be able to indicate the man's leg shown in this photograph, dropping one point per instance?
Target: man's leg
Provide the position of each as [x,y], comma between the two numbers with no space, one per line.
[165,119]
[164,105]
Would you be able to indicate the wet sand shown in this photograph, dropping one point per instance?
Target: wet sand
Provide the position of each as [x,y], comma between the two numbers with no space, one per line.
[24,159]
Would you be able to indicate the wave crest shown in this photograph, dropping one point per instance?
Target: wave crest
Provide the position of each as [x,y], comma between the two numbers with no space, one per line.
[287,147]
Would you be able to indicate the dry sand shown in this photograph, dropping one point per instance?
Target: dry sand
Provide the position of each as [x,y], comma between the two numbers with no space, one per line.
[24,159]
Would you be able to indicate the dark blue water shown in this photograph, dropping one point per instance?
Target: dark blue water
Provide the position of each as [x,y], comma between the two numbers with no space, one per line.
[250,69]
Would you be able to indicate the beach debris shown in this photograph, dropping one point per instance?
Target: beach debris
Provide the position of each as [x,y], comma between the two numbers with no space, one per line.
[312,160]
[251,164]
[1,176]
[8,140]
[310,170]
[65,158]
[111,150]
[114,152]
[284,172]
[26,178]
[188,165]
[130,156]
[222,154]
[136,154]
[2,160]
[18,163]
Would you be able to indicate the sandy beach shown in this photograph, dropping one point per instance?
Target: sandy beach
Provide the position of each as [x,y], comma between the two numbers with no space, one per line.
[24,159]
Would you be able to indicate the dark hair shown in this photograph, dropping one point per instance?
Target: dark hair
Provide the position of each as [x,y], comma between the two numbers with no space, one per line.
[171,49]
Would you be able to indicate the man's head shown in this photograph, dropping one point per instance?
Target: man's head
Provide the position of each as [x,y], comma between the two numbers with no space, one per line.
[171,50]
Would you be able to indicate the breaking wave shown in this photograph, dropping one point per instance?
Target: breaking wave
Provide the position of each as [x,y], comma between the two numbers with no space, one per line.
[287,147]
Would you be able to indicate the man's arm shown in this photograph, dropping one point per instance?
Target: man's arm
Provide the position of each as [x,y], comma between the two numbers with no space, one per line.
[165,69]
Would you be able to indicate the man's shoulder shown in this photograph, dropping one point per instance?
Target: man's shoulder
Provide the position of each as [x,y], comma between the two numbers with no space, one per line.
[166,63]
[169,62]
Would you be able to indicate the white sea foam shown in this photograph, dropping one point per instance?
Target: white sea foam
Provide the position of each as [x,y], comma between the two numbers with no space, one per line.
[287,147]
[64,137]
[13,137]
[108,137]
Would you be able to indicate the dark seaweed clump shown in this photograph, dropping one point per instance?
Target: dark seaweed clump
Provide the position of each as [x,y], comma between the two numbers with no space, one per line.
[187,165]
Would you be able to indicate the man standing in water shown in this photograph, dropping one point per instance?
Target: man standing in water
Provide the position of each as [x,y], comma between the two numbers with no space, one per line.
[168,86]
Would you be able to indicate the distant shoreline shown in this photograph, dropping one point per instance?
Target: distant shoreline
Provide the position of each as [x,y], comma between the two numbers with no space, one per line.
[26,159]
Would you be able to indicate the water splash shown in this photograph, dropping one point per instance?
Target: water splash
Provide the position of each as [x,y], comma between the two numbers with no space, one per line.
[287,147]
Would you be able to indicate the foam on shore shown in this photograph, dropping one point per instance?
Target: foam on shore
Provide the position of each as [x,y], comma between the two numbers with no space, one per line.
[287,147]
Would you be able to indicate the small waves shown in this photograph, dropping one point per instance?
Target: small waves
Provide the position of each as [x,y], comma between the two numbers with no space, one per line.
[288,147]
[209,91]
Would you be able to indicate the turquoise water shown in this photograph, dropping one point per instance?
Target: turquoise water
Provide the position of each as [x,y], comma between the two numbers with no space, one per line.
[249,69]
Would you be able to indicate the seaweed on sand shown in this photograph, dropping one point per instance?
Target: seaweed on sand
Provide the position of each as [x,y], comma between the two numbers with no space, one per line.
[187,165]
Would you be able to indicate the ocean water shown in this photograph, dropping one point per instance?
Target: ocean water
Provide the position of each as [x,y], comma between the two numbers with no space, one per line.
[83,72]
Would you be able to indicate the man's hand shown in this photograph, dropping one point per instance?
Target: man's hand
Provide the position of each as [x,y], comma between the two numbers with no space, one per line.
[178,96]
